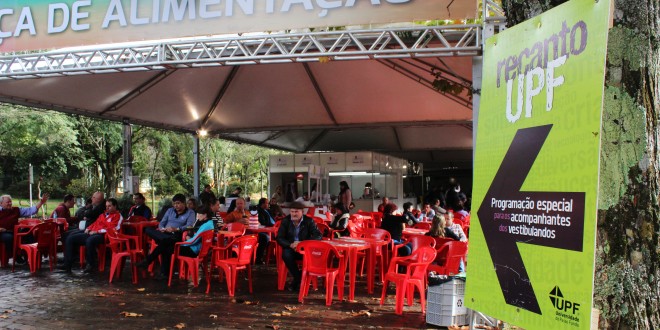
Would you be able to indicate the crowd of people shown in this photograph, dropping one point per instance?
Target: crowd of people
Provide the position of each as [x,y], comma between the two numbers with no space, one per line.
[195,216]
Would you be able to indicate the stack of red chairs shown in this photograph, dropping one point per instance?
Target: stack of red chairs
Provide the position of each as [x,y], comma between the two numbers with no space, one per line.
[414,277]
[318,259]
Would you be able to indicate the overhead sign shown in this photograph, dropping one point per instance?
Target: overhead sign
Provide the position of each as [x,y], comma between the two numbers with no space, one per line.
[47,24]
[536,169]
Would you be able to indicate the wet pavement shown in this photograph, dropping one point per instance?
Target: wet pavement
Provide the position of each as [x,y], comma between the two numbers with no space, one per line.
[53,300]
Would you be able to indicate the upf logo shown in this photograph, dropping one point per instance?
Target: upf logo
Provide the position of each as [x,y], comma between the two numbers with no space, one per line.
[562,304]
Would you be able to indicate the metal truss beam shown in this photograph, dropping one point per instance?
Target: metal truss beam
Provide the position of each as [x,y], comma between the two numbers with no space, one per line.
[410,42]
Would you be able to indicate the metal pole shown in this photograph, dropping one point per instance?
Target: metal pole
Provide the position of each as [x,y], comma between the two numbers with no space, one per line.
[196,165]
[128,157]
[31,180]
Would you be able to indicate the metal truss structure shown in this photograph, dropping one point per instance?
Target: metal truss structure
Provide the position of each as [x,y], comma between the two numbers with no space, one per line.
[387,43]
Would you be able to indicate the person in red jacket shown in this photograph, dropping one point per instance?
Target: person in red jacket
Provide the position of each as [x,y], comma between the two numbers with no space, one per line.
[93,236]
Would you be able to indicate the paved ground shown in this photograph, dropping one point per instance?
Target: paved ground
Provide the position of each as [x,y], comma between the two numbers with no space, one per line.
[59,301]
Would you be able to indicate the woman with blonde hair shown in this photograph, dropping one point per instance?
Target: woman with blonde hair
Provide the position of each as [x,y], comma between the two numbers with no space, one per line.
[439,228]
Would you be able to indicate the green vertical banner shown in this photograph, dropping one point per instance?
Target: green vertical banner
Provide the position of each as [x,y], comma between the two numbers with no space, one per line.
[532,240]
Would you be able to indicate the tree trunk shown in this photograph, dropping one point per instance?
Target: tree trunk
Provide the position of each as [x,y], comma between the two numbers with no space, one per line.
[627,274]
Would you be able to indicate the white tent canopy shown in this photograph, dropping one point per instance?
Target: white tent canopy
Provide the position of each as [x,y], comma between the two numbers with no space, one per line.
[380,102]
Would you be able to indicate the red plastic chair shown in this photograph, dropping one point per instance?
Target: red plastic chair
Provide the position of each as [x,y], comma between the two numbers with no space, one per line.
[46,237]
[318,259]
[417,241]
[189,267]
[441,256]
[282,271]
[100,249]
[382,255]
[355,225]
[462,218]
[245,249]
[281,268]
[325,230]
[319,220]
[415,277]
[29,221]
[272,245]
[123,247]
[452,253]
[423,225]
[4,256]
[62,226]
[235,226]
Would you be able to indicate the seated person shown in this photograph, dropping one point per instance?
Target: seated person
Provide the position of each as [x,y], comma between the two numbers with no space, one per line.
[381,207]
[81,211]
[205,195]
[395,224]
[139,209]
[340,221]
[92,237]
[9,219]
[439,228]
[239,214]
[169,231]
[455,228]
[214,205]
[435,206]
[223,204]
[62,210]
[427,213]
[370,192]
[167,204]
[295,228]
[191,204]
[266,220]
[275,209]
[203,216]
[407,212]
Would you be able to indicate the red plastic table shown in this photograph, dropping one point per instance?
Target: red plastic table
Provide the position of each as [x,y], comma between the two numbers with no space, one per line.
[350,248]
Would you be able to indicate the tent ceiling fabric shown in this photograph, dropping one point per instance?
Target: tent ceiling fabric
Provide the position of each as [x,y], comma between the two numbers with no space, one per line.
[333,106]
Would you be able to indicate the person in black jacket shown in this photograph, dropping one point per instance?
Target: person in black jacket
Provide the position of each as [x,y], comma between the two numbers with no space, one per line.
[295,228]
[266,220]
[394,224]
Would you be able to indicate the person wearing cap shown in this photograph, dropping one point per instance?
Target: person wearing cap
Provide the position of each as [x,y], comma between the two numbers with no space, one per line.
[296,227]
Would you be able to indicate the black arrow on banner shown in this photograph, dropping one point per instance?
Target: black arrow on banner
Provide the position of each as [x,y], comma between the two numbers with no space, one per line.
[555,220]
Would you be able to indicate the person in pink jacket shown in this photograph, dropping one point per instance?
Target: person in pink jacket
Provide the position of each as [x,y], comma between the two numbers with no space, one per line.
[92,237]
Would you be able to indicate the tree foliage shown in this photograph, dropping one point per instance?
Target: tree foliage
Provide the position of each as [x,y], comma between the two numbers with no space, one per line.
[80,155]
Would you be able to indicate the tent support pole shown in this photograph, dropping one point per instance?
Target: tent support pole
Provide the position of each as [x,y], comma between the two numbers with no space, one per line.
[128,157]
[196,165]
